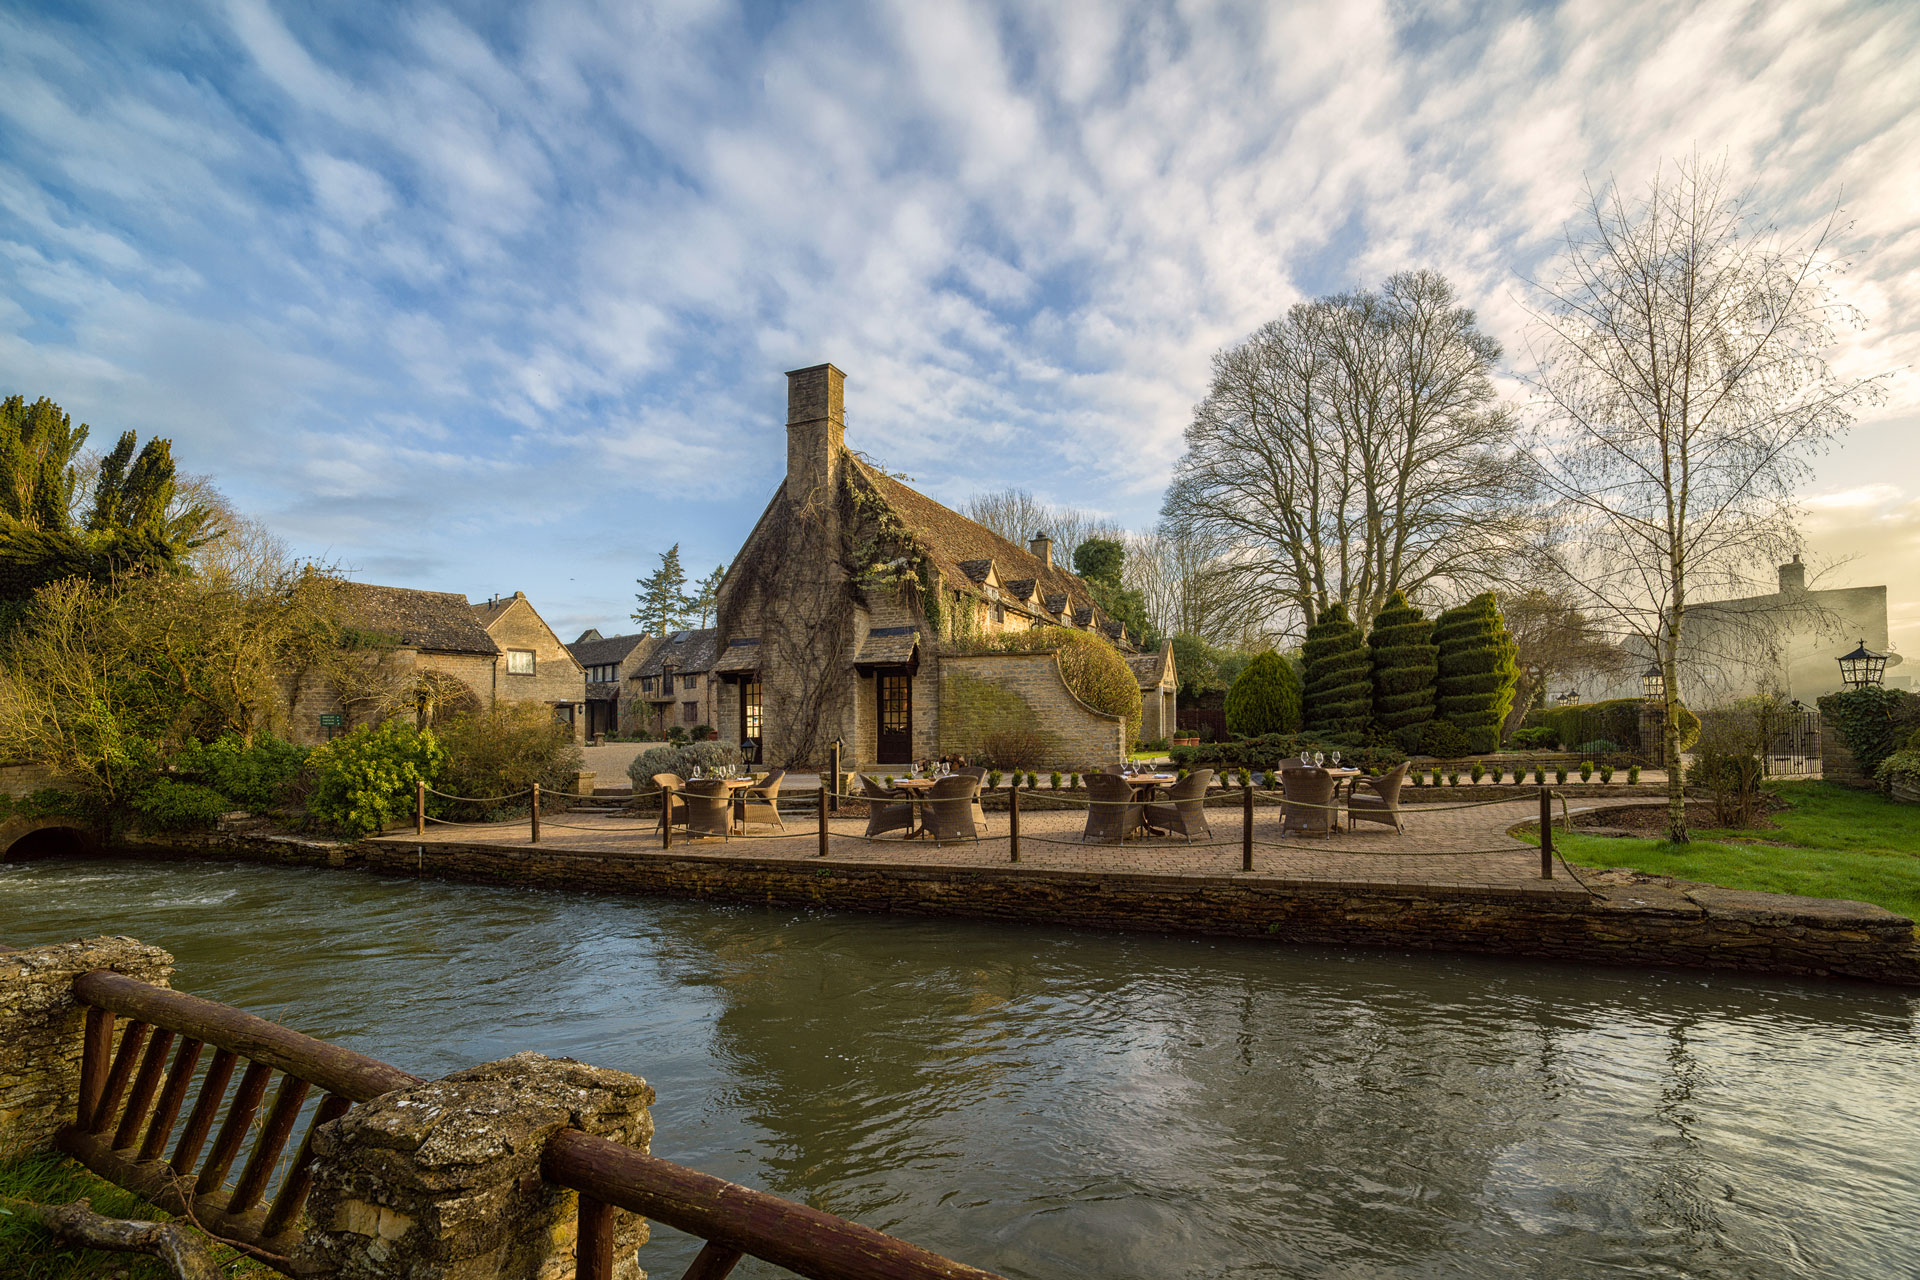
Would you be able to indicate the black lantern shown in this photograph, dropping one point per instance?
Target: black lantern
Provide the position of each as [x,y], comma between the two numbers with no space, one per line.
[1862,667]
[1653,683]
[1570,697]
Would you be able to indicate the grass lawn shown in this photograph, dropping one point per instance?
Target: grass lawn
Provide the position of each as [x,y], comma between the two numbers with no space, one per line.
[1840,843]
[28,1253]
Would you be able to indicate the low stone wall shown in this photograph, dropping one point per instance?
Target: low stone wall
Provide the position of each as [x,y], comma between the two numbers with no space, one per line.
[41,1029]
[1024,695]
[1644,925]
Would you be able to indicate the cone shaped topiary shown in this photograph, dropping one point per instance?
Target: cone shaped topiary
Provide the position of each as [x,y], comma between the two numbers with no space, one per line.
[1477,672]
[1405,663]
[1338,697]
[1265,697]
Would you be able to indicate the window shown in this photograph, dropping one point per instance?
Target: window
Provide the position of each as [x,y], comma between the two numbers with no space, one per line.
[666,683]
[750,710]
[519,662]
[690,712]
[689,682]
[646,684]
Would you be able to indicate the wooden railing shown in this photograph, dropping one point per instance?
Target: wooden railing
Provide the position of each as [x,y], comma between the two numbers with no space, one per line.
[735,1221]
[130,1101]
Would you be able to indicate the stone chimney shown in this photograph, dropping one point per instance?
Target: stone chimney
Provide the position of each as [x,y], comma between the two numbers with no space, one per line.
[1042,546]
[1793,578]
[816,431]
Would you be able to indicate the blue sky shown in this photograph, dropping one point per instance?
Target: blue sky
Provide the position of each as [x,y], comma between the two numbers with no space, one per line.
[485,298]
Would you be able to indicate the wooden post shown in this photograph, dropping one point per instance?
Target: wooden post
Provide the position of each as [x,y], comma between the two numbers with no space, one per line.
[420,808]
[1546,834]
[833,785]
[823,816]
[536,813]
[1013,820]
[666,817]
[593,1255]
[1246,826]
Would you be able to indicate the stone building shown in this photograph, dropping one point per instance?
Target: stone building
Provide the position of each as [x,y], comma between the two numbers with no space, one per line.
[676,685]
[534,665]
[612,664]
[854,610]
[419,651]
[1159,686]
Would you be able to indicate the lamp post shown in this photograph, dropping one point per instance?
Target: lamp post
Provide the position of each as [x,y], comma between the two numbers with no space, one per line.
[1570,697]
[1653,684]
[1862,668]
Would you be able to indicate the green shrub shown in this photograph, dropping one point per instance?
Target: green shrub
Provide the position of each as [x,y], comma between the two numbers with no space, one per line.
[256,776]
[1586,771]
[1539,775]
[1076,782]
[168,805]
[1477,671]
[1246,779]
[1405,662]
[505,751]
[1902,768]
[1733,780]
[1633,775]
[709,756]
[1597,747]
[1266,749]
[1435,776]
[1913,741]
[1265,697]
[1444,742]
[364,780]
[1053,780]
[701,732]
[1337,697]
[1560,773]
[1453,778]
[993,780]
[1535,738]
[1606,773]
[1479,771]
[655,760]
[1873,722]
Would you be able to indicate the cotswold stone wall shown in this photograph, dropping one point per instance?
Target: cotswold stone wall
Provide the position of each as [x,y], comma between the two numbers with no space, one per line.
[982,694]
[556,676]
[1643,925]
[42,1028]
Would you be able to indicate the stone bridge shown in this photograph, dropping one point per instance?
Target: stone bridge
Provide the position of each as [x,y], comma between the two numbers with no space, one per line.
[20,836]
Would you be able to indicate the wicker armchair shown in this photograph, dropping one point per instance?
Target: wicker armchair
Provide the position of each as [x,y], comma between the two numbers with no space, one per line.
[1113,813]
[709,808]
[760,803]
[949,809]
[979,774]
[1384,804]
[1307,803]
[673,811]
[1187,813]
[885,811]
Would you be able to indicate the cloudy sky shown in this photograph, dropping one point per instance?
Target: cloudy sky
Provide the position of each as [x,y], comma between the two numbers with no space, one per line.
[485,298]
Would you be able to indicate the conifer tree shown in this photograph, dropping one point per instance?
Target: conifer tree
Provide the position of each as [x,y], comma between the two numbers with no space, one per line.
[1405,664]
[663,605]
[1265,697]
[1338,698]
[706,601]
[1477,671]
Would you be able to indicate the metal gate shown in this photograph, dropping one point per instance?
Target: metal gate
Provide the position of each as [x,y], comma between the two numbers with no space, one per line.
[1793,743]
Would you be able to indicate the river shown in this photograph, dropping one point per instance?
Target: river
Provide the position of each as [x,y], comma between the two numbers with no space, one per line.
[1050,1103]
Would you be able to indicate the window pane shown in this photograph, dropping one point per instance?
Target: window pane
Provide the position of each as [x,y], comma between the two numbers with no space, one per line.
[520,662]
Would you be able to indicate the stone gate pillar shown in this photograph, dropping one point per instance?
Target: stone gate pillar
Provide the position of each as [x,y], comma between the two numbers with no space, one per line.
[42,1029]
[442,1181]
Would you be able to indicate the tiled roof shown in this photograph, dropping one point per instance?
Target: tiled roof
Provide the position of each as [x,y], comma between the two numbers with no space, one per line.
[888,647]
[962,548]
[602,651]
[1019,589]
[686,650]
[741,654]
[1055,601]
[1147,667]
[489,611]
[441,621]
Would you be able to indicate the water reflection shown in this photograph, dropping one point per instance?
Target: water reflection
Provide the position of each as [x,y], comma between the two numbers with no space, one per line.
[1056,1104]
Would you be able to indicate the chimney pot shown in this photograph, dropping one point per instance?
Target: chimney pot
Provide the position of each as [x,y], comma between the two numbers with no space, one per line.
[1793,578]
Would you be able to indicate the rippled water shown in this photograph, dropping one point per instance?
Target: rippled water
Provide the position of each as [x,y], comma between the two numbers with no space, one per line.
[1048,1103]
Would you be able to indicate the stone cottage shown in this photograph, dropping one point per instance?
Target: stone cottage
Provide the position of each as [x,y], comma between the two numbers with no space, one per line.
[855,610]
[407,651]
[1159,685]
[612,664]
[534,665]
[676,685]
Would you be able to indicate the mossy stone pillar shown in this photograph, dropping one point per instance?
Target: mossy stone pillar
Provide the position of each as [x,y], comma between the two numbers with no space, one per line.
[442,1181]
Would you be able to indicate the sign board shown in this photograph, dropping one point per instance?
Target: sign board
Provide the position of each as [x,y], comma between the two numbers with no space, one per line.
[332,721]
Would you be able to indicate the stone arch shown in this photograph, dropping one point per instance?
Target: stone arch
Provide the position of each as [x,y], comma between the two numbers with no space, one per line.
[22,839]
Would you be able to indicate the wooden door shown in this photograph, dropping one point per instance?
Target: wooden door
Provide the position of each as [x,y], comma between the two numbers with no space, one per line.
[893,695]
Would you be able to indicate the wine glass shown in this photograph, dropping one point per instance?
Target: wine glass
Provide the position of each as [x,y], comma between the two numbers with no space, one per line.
[1318,759]
[1336,759]
[1306,758]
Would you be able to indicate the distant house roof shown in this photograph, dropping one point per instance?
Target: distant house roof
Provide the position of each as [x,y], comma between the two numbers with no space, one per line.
[964,551]
[490,611]
[683,650]
[441,621]
[601,651]
[1151,668]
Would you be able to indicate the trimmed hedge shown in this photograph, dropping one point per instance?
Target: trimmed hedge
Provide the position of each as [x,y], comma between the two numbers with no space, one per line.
[1616,720]
[1265,698]
[1477,671]
[1405,663]
[1339,691]
[1873,722]
[1272,751]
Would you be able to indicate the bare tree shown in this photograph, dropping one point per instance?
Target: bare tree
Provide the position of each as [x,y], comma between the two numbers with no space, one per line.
[1553,638]
[1353,448]
[1678,368]
[1017,515]
[1190,589]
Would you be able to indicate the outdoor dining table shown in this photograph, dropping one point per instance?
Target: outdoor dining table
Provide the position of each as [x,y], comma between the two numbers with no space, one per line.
[914,790]
[1145,784]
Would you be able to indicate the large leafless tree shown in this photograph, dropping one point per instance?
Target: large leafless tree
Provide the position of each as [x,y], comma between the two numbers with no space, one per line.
[1016,515]
[1678,365]
[1353,448]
